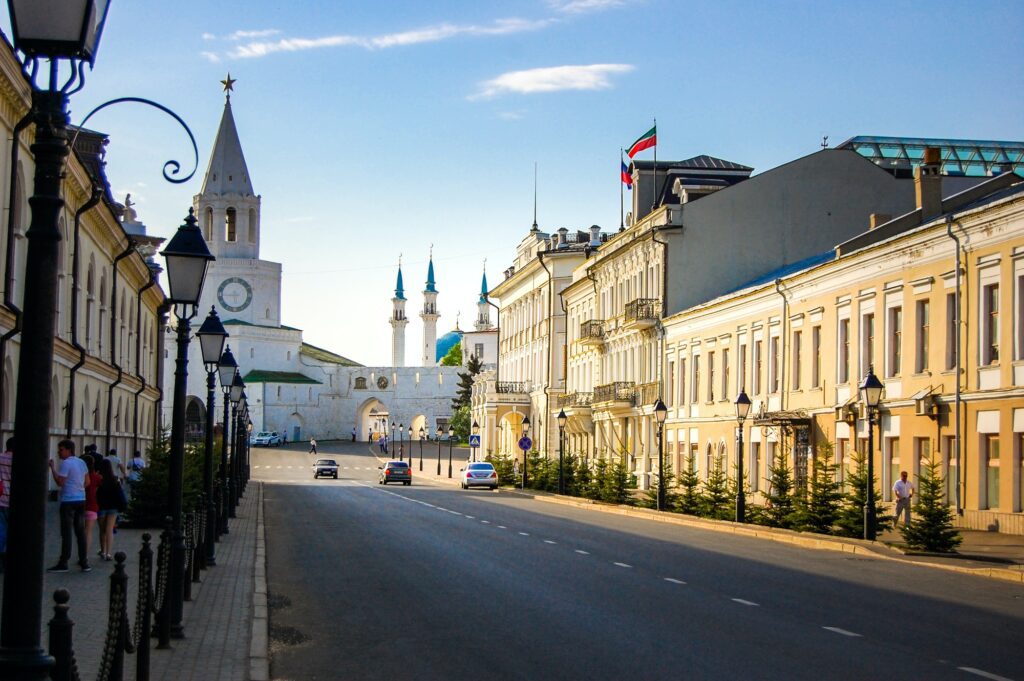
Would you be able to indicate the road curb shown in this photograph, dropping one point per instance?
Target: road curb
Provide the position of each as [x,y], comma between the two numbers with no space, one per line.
[259,660]
[806,540]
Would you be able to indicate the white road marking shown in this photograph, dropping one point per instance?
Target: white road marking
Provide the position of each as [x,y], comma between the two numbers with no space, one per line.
[582,552]
[844,632]
[471,517]
[502,527]
[625,565]
[548,541]
[984,674]
[525,534]
[743,602]
[674,581]
[486,522]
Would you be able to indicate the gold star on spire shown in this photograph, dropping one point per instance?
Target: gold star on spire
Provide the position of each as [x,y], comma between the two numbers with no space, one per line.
[229,83]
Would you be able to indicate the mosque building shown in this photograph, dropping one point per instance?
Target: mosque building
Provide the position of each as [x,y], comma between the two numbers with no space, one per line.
[293,387]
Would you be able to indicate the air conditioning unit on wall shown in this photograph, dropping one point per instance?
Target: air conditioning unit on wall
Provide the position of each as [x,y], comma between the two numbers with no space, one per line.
[926,406]
[847,413]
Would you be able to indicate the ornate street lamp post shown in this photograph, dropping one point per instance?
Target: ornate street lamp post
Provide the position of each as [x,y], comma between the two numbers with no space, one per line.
[392,441]
[438,435]
[401,442]
[228,369]
[871,393]
[526,433]
[562,418]
[242,439]
[211,341]
[56,32]
[237,390]
[422,433]
[742,409]
[475,429]
[660,413]
[451,443]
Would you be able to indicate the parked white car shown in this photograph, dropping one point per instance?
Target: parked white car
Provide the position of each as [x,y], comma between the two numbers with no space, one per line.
[266,438]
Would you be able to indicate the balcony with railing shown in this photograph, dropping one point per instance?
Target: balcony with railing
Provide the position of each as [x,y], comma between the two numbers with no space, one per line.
[574,400]
[642,313]
[510,388]
[647,394]
[508,392]
[620,393]
[592,332]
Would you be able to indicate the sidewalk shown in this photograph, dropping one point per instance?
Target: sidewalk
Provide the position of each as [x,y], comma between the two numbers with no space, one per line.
[225,622]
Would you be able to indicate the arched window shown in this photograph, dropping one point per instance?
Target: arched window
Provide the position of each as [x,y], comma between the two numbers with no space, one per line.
[208,224]
[252,226]
[231,225]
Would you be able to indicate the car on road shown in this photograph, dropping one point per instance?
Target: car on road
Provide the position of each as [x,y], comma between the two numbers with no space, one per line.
[395,471]
[266,438]
[327,468]
[479,474]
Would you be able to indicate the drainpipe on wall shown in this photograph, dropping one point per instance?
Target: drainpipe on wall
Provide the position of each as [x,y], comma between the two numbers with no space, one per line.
[956,358]
[113,340]
[138,362]
[9,257]
[97,194]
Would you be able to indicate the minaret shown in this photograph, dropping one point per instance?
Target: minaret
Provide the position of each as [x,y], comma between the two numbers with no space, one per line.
[483,315]
[398,322]
[227,208]
[429,317]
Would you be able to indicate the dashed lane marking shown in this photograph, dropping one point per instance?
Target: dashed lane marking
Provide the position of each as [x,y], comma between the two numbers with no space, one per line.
[844,632]
[582,552]
[548,541]
[485,522]
[674,581]
[745,602]
[502,527]
[983,674]
[625,565]
[525,534]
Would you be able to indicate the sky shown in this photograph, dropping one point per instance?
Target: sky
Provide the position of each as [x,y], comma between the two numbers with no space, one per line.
[379,130]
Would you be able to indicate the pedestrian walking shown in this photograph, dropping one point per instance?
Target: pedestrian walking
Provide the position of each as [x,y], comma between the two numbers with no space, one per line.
[110,499]
[903,490]
[5,497]
[135,472]
[117,465]
[353,433]
[92,484]
[70,478]
[312,445]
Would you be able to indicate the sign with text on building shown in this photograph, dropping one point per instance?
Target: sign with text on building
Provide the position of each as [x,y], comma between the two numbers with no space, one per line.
[474,440]
[525,443]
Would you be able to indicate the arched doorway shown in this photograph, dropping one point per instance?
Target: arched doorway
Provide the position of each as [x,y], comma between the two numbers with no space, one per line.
[195,419]
[372,419]
[295,427]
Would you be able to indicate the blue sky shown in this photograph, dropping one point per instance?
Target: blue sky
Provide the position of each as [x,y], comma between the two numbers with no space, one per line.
[374,129]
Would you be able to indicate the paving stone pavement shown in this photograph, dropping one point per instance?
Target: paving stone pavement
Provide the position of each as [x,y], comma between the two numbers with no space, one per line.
[225,634]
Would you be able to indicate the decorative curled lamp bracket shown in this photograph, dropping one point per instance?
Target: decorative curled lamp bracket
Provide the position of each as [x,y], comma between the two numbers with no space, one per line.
[174,166]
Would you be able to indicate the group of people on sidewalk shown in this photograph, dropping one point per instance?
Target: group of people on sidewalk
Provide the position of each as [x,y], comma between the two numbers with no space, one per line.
[91,491]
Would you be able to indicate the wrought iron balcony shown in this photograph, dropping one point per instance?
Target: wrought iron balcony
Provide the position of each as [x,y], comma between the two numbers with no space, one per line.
[620,391]
[510,387]
[573,400]
[592,331]
[647,393]
[642,313]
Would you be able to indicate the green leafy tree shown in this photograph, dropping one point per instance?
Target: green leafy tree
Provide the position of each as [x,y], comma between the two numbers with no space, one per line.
[147,506]
[715,501]
[461,422]
[453,358]
[779,506]
[931,526]
[850,522]
[688,499]
[464,391]
[818,509]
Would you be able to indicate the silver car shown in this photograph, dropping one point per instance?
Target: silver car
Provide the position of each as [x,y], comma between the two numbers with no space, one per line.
[479,474]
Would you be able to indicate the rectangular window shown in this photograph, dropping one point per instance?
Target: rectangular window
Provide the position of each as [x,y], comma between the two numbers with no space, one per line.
[991,453]
[695,385]
[682,380]
[843,463]
[922,457]
[951,322]
[755,466]
[921,341]
[725,374]
[478,350]
[741,370]
[844,351]
[769,462]
[816,357]
[711,377]
[895,340]
[231,225]
[892,451]
[694,461]
[949,468]
[990,322]
[773,365]
[756,378]
[671,384]
[797,335]
[867,342]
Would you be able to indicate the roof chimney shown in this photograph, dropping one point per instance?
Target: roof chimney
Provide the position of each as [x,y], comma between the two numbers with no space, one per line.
[928,184]
[877,219]
[595,236]
[563,238]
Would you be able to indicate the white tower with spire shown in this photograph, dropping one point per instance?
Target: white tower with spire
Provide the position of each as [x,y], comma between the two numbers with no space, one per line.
[398,322]
[429,316]
[483,308]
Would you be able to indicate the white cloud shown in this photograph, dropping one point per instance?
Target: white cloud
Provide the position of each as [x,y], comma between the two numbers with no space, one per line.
[211,57]
[428,34]
[583,6]
[265,33]
[552,79]
[209,36]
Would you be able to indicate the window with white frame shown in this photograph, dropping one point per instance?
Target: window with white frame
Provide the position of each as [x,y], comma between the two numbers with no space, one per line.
[795,379]
[892,454]
[756,378]
[990,324]
[671,384]
[894,339]
[842,463]
[773,364]
[755,466]
[711,377]
[990,454]
[951,322]
[741,369]
[922,313]
[725,373]
[843,365]
[867,342]
[949,467]
[695,382]
[816,357]
[682,380]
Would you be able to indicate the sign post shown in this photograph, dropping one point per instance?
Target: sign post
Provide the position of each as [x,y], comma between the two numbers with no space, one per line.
[525,444]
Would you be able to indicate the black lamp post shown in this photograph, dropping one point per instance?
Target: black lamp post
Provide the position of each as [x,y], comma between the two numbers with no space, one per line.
[211,341]
[438,434]
[475,429]
[401,442]
[562,418]
[871,392]
[451,443]
[56,32]
[526,433]
[228,369]
[187,259]
[236,392]
[242,439]
[660,413]
[742,409]
[392,441]
[422,433]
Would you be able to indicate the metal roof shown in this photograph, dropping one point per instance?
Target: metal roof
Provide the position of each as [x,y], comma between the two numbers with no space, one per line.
[969,158]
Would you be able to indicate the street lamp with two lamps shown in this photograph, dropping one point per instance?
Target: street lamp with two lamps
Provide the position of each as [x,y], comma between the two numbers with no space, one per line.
[211,342]
[660,413]
[742,409]
[871,392]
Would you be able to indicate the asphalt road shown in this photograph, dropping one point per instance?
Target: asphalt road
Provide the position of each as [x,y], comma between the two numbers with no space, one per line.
[433,582]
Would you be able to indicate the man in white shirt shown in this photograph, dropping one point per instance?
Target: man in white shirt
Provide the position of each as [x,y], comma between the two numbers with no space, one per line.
[903,490]
[70,477]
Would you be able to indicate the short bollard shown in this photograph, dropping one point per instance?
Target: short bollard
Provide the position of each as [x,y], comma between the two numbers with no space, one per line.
[144,610]
[162,600]
[112,662]
[61,626]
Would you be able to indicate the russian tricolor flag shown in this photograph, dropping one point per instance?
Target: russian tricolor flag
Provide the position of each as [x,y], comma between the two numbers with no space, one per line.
[627,179]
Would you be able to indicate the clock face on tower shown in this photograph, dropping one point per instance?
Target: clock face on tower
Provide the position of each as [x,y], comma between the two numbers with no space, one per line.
[234,294]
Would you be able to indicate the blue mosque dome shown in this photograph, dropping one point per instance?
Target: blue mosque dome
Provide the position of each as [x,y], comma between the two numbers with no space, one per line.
[446,343]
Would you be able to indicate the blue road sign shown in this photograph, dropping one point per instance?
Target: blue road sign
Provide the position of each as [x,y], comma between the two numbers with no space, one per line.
[525,443]
[474,440]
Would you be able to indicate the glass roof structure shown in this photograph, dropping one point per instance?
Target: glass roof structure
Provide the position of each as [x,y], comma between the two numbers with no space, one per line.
[968,158]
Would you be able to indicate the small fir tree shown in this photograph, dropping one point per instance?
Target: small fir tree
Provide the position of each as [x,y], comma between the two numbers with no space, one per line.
[615,489]
[778,509]
[598,480]
[650,496]
[582,481]
[818,509]
[147,506]
[715,502]
[464,391]
[850,522]
[688,500]
[931,525]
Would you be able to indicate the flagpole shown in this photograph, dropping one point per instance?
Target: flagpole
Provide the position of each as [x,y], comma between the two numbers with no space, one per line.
[622,193]
[654,202]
